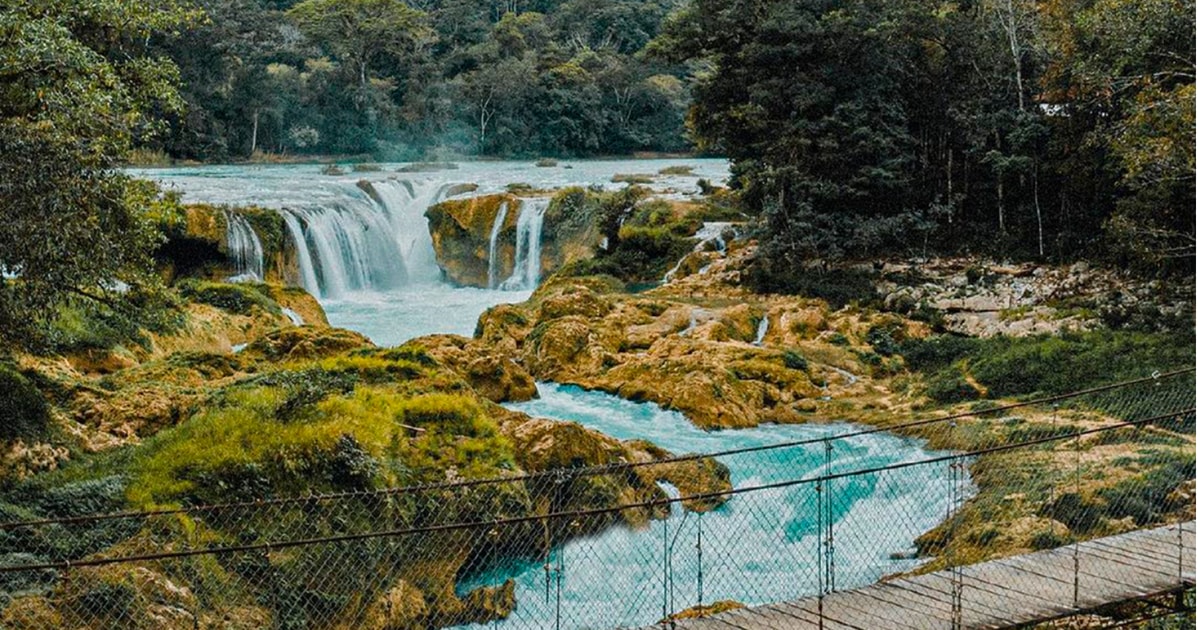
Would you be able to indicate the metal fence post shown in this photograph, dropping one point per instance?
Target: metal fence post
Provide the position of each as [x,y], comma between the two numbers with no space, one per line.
[820,558]
[699,559]
[830,576]
[1074,535]
[954,496]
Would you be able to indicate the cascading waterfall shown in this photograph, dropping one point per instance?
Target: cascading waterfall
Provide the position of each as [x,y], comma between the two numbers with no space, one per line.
[293,316]
[365,240]
[711,232]
[527,264]
[308,273]
[404,203]
[763,325]
[497,225]
[244,247]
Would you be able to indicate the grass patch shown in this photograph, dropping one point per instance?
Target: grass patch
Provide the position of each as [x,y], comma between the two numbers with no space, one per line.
[1008,367]
[243,449]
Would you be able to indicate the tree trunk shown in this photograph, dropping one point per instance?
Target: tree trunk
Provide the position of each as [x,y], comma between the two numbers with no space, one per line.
[1010,25]
[1037,205]
[254,134]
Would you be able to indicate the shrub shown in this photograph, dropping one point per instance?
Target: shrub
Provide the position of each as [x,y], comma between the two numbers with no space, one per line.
[24,413]
[885,339]
[1048,539]
[936,352]
[1148,497]
[235,298]
[949,387]
[839,287]
[676,170]
[793,360]
[1079,514]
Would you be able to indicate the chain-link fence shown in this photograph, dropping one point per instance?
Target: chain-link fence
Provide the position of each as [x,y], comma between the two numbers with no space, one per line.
[643,543]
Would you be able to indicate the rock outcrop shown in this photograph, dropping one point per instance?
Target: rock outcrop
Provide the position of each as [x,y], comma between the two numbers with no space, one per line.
[463,229]
[198,245]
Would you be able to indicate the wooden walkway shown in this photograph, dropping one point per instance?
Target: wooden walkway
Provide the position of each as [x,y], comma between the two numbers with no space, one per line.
[997,594]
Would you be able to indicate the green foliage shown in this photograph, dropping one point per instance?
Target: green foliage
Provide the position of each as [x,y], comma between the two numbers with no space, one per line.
[1149,496]
[839,287]
[235,298]
[78,88]
[793,360]
[881,126]
[25,413]
[80,325]
[1021,366]
[402,81]
[1048,539]
[949,387]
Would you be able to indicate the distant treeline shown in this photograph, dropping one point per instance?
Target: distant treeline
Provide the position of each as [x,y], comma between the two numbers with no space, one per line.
[1048,128]
[404,80]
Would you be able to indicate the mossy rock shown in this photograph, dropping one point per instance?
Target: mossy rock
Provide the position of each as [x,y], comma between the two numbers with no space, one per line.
[305,343]
[240,299]
[461,231]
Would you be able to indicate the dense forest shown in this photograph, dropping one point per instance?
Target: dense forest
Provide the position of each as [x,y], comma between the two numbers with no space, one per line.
[400,80]
[1014,127]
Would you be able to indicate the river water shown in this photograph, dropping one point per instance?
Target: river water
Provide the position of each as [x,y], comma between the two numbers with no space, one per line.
[371,261]
[368,259]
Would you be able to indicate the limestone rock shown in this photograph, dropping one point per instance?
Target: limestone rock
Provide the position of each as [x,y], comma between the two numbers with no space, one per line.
[497,377]
[305,342]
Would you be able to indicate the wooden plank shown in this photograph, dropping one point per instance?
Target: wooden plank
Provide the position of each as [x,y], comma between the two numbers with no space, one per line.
[980,609]
[922,612]
[896,611]
[813,609]
[1092,567]
[773,616]
[866,612]
[995,594]
[1123,556]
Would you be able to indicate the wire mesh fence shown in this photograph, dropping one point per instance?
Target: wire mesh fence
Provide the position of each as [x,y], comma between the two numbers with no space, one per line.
[650,542]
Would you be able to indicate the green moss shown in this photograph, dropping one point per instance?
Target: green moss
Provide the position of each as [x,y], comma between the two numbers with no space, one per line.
[235,298]
[793,360]
[243,448]
[269,226]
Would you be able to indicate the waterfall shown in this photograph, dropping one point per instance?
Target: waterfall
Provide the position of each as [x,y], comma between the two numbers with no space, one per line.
[244,248]
[710,232]
[308,274]
[295,317]
[404,204]
[369,238]
[497,225]
[763,325]
[527,264]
